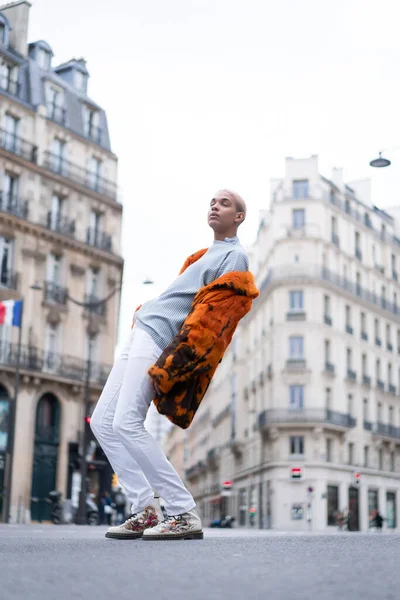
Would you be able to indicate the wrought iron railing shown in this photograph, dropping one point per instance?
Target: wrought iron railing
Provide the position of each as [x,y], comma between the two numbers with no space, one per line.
[65,168]
[61,365]
[11,204]
[16,145]
[60,224]
[101,240]
[305,415]
[97,309]
[55,293]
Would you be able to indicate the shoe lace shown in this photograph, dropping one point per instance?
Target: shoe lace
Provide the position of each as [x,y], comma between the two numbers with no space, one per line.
[132,518]
[172,518]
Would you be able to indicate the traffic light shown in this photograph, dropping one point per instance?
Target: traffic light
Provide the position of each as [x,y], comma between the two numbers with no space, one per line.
[357,477]
[87,420]
[114,480]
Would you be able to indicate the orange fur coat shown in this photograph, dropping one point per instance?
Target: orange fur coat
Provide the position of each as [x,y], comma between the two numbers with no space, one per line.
[185,368]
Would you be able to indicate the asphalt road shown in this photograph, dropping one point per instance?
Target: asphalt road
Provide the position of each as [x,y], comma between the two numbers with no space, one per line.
[71,562]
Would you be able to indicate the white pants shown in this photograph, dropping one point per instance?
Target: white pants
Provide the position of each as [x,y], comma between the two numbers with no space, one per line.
[118,424]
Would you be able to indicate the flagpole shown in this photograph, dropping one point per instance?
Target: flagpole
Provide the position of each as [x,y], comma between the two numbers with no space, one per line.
[11,428]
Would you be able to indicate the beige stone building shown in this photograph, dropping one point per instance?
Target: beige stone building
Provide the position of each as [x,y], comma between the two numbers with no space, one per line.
[302,421]
[60,228]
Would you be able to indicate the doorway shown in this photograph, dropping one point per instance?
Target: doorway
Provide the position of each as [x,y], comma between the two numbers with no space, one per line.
[353,521]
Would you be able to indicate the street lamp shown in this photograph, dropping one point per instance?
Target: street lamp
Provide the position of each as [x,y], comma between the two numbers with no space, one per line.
[81,518]
[380,162]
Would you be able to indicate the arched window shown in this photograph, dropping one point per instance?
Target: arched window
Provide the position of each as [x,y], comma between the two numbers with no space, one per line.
[47,419]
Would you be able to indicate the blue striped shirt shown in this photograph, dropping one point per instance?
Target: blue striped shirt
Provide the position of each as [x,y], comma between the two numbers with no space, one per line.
[163,317]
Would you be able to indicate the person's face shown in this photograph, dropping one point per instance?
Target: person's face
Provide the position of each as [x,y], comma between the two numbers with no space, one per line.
[223,213]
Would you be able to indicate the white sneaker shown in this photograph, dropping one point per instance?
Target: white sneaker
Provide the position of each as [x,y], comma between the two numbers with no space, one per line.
[135,525]
[186,526]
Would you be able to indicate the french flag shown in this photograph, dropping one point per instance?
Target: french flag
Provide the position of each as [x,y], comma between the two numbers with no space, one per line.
[11,312]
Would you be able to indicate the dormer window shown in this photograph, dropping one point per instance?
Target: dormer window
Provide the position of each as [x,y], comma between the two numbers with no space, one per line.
[4,30]
[2,33]
[80,81]
[55,104]
[9,78]
[43,59]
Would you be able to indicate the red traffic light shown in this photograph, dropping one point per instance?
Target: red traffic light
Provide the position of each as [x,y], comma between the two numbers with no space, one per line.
[87,420]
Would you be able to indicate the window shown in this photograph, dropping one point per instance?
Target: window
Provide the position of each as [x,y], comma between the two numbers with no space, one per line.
[298,218]
[55,104]
[95,228]
[10,139]
[300,188]
[328,398]
[296,396]
[366,456]
[58,151]
[392,461]
[2,32]
[380,459]
[92,346]
[93,283]
[54,263]
[357,242]
[94,173]
[6,261]
[9,78]
[333,504]
[329,450]
[363,323]
[91,123]
[377,330]
[55,212]
[296,347]
[334,225]
[358,283]
[43,58]
[80,81]
[391,413]
[394,266]
[327,351]
[51,347]
[351,453]
[390,373]
[348,316]
[296,300]
[364,365]
[391,520]
[379,413]
[350,404]
[327,305]
[378,369]
[296,444]
[365,410]
[349,359]
[9,197]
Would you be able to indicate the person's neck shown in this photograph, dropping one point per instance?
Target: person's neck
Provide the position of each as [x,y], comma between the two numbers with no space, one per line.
[220,236]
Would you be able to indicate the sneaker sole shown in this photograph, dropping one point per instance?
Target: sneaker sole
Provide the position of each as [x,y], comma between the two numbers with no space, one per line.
[124,536]
[197,535]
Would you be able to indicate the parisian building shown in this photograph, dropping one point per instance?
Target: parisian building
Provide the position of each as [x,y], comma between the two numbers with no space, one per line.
[60,229]
[301,425]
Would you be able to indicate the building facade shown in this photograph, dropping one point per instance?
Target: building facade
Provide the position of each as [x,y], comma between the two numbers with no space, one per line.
[60,228]
[302,421]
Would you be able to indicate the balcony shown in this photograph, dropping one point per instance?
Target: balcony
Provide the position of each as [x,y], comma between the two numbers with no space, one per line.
[351,375]
[328,320]
[378,341]
[379,268]
[329,368]
[55,294]
[395,275]
[364,336]
[392,389]
[99,239]
[18,146]
[296,316]
[366,380]
[196,470]
[8,279]
[96,309]
[60,224]
[61,365]
[64,168]
[56,113]
[389,347]
[380,385]
[358,254]
[367,425]
[8,85]
[295,364]
[335,239]
[387,431]
[349,329]
[213,458]
[305,416]
[13,206]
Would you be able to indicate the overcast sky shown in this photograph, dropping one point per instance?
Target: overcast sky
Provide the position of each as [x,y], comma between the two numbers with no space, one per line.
[205,94]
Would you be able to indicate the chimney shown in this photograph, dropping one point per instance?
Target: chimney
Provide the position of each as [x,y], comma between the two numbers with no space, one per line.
[18,15]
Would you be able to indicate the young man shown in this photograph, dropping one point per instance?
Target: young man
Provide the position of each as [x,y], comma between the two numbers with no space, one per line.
[162,362]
